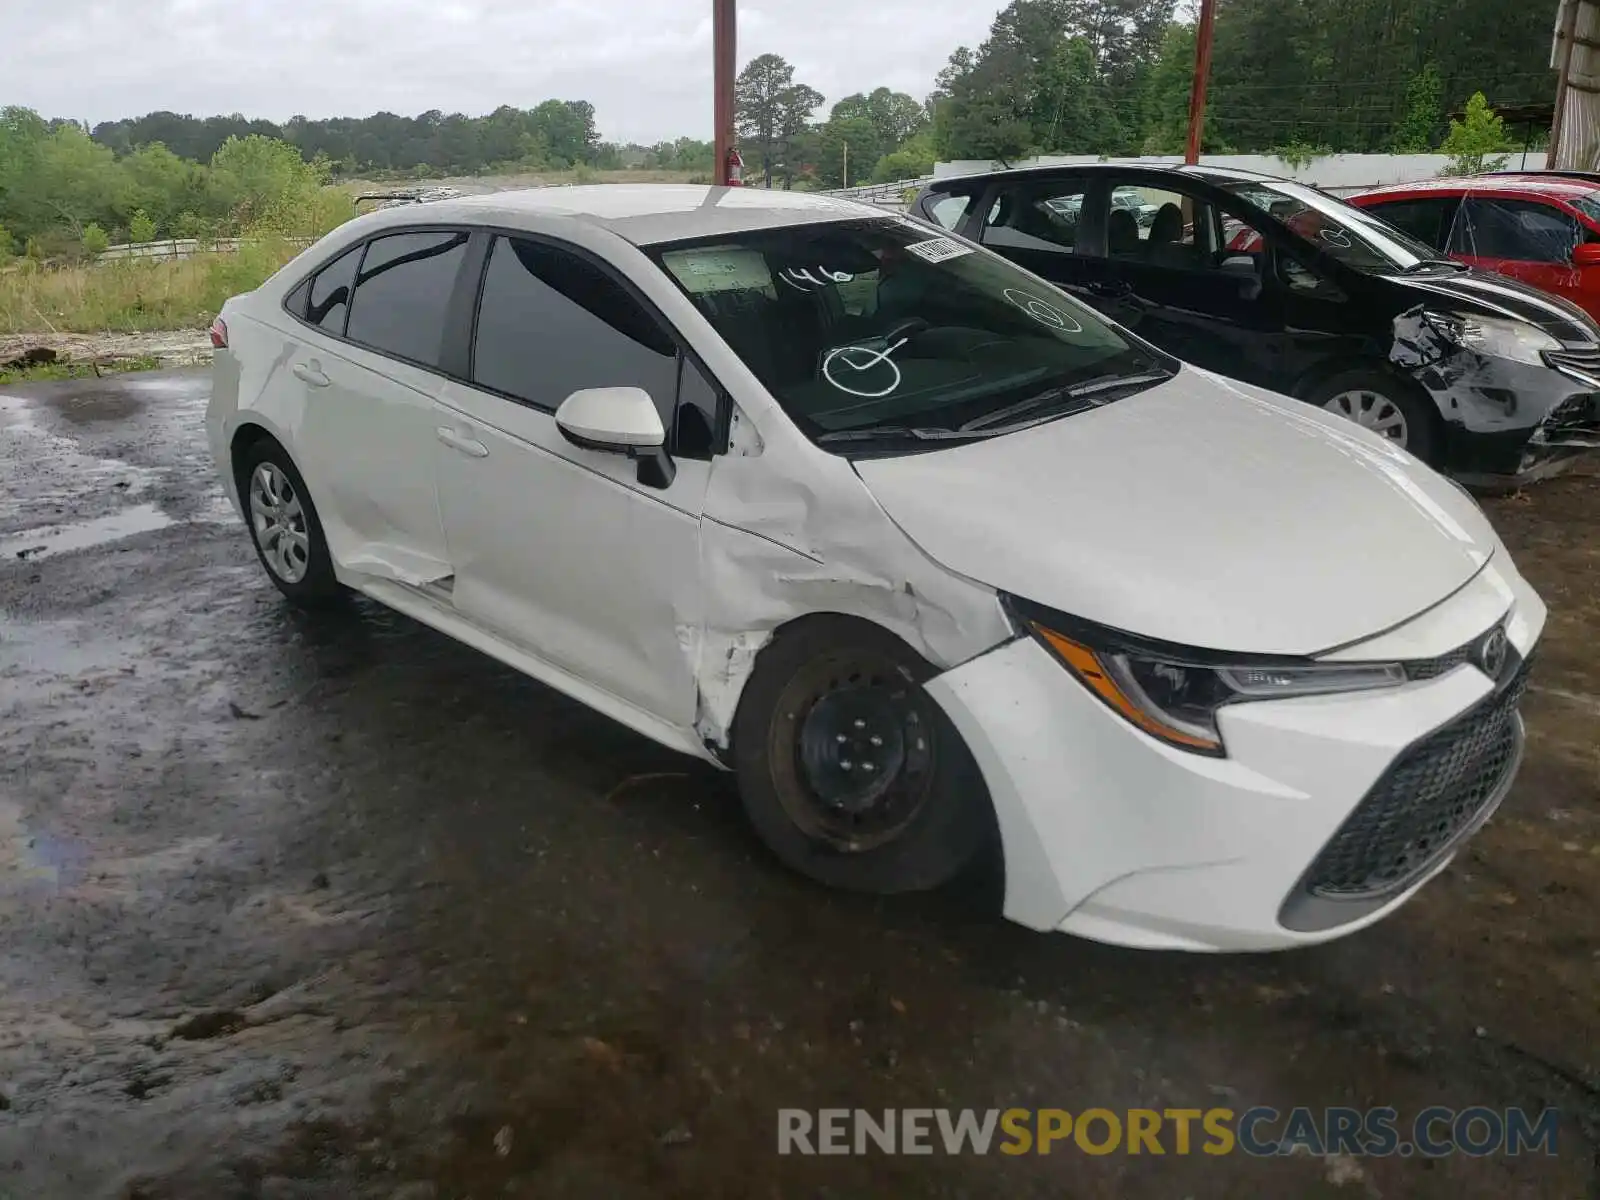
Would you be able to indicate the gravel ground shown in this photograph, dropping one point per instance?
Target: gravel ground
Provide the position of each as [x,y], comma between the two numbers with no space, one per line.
[174,347]
[337,908]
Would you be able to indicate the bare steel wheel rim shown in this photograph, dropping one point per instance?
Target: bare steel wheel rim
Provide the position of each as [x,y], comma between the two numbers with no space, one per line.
[1371,410]
[279,523]
[854,747]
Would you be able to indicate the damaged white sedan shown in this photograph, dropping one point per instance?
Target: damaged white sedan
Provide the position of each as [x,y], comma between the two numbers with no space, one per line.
[919,546]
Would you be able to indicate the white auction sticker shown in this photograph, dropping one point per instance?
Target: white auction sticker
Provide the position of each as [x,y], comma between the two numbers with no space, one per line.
[938,249]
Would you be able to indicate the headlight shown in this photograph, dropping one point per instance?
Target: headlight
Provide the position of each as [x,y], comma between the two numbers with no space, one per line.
[1494,336]
[1175,695]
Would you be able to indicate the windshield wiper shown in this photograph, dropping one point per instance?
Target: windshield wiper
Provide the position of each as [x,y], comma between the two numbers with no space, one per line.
[1434,264]
[1096,387]
[873,433]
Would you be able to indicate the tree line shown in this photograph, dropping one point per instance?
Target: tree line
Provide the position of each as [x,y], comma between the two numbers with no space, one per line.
[1294,77]
[553,135]
[1309,76]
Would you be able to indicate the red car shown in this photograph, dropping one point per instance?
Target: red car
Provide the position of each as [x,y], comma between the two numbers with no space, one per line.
[1543,229]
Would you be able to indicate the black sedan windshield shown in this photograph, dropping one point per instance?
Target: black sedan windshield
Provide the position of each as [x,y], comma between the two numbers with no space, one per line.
[1356,238]
[885,329]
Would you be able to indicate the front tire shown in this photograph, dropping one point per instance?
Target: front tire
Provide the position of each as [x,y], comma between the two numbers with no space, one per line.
[284,526]
[1385,405]
[848,770]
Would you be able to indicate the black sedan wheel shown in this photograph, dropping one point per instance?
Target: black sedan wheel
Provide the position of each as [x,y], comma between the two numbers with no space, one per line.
[1384,405]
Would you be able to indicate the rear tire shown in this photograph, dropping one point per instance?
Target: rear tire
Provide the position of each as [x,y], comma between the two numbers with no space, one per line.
[848,769]
[284,526]
[1383,404]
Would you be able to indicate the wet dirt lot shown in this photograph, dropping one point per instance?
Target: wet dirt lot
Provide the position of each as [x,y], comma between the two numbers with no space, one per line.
[333,907]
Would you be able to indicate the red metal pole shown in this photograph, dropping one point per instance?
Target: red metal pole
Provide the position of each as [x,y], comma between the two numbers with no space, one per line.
[1202,71]
[724,44]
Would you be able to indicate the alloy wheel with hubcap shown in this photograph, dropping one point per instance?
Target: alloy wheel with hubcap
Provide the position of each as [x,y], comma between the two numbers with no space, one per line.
[278,521]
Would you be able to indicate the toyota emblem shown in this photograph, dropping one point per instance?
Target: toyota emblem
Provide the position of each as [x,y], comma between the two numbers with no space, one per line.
[1492,652]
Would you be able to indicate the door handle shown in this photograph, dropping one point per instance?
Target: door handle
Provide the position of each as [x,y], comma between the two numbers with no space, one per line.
[311,373]
[471,447]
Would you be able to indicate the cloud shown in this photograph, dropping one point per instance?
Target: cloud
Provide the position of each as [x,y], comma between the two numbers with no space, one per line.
[644,64]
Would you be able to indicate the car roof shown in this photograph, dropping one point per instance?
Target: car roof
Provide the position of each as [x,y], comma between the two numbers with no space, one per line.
[1533,184]
[1211,174]
[644,214]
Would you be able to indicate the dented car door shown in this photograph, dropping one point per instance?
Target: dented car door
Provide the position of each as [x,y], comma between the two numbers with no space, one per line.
[557,546]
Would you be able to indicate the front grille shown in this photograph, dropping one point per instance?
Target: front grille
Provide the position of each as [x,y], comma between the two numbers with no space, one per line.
[1582,358]
[1431,794]
[1432,668]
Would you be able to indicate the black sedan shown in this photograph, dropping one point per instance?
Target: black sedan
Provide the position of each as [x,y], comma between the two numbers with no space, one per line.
[1283,286]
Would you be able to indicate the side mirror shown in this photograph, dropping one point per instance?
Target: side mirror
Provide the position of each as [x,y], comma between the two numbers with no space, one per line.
[619,420]
[1586,254]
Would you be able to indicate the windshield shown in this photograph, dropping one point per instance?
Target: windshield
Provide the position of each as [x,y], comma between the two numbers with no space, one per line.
[881,329]
[1356,238]
[1588,204]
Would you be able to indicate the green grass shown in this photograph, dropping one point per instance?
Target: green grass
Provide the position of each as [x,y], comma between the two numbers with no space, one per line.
[132,295]
[78,370]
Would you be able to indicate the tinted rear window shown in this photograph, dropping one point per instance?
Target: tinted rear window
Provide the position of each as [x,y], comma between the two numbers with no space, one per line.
[403,293]
[330,292]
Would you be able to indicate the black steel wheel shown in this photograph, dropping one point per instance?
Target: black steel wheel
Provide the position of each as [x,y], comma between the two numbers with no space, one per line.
[848,769]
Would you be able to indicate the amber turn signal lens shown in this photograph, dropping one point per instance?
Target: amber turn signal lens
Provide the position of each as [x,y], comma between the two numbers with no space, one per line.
[1085,663]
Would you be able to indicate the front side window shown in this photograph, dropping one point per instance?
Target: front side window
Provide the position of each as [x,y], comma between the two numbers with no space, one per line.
[403,293]
[551,323]
[874,331]
[1518,230]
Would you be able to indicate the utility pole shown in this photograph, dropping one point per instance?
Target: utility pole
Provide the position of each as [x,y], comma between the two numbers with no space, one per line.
[846,172]
[1202,71]
[724,49]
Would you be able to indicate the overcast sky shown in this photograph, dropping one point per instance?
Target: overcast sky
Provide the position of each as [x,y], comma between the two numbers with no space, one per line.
[644,64]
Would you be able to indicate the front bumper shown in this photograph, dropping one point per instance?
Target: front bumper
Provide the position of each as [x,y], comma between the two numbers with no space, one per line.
[1114,836]
[1508,423]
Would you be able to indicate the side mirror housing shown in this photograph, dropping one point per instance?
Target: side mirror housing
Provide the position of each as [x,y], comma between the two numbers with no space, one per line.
[619,420]
[1586,254]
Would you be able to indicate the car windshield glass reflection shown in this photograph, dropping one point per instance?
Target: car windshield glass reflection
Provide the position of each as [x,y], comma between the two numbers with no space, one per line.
[1356,238]
[881,328]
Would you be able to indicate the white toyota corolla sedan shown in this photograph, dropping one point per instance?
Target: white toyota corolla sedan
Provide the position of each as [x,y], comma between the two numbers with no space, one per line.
[920,547]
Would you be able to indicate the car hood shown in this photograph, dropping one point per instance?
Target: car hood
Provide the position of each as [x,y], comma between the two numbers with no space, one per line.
[1505,297]
[1202,512]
